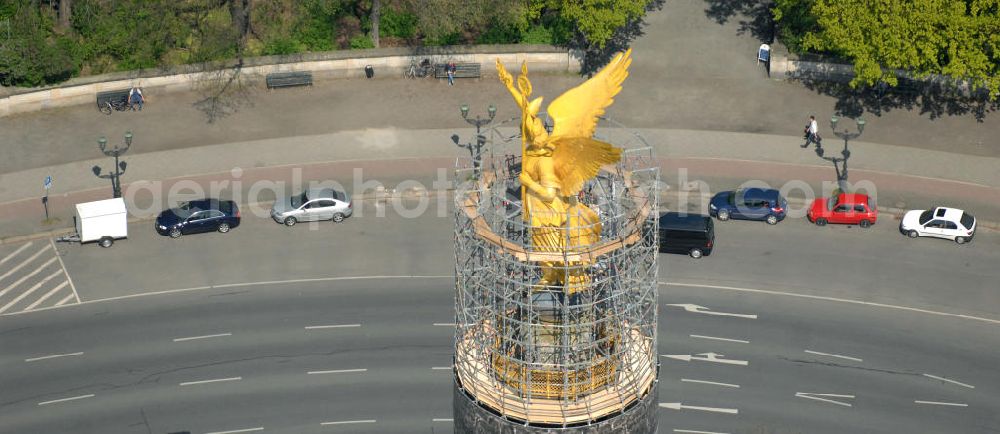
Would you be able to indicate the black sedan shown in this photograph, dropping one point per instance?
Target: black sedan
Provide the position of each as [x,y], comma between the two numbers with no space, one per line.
[204,215]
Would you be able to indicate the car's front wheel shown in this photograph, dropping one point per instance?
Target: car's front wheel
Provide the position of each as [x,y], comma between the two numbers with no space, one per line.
[821,222]
[224,227]
[865,224]
[695,253]
[961,240]
[338,217]
[174,233]
[772,219]
[290,221]
[723,215]
[912,233]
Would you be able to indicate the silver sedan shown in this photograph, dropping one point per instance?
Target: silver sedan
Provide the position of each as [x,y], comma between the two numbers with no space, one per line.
[312,205]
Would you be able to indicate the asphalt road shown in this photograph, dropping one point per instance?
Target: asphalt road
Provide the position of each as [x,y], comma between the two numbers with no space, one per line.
[224,344]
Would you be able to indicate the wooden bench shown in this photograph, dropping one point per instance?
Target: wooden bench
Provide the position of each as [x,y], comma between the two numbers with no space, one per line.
[288,79]
[111,96]
[462,70]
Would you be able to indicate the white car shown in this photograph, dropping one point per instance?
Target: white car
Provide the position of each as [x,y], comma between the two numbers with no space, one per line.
[948,223]
[312,205]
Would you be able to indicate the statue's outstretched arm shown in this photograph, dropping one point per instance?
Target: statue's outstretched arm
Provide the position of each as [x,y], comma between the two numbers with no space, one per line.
[508,80]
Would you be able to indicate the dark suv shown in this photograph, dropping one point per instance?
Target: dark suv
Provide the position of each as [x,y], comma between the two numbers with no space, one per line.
[203,215]
[749,204]
[689,234]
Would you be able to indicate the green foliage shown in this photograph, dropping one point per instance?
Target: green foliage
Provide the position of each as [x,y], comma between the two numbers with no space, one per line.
[955,38]
[444,39]
[598,20]
[397,24]
[30,54]
[361,42]
[538,35]
[794,20]
[281,46]
[499,34]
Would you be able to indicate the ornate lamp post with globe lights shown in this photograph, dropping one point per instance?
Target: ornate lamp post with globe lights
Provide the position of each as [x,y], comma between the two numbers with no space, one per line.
[475,149]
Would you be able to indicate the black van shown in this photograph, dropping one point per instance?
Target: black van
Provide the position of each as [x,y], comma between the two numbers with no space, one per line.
[690,234]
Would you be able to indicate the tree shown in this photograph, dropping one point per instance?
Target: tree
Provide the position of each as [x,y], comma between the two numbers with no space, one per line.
[375,20]
[956,38]
[597,21]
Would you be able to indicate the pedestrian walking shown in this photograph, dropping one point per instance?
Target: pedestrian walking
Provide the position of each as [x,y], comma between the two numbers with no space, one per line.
[812,133]
[451,73]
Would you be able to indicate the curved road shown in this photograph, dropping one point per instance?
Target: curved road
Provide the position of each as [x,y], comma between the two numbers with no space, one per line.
[232,325]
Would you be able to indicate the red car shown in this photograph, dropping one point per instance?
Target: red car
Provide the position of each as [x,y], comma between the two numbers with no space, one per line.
[845,208]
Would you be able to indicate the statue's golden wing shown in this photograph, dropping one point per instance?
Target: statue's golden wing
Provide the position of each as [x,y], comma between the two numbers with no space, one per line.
[574,113]
[577,159]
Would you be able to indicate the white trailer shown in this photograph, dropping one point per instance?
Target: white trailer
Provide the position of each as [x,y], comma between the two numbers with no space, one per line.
[103,221]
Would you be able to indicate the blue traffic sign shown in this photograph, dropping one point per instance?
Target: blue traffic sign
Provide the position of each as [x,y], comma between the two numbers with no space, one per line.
[48,182]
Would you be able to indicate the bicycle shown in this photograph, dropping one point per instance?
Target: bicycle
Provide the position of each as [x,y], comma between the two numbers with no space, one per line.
[111,106]
[422,70]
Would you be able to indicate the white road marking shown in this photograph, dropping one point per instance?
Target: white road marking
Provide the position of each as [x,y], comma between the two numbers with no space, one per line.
[950,381]
[702,309]
[834,299]
[19,250]
[47,295]
[35,359]
[708,357]
[66,399]
[29,291]
[950,404]
[217,380]
[61,302]
[825,397]
[235,431]
[63,266]
[202,337]
[444,324]
[834,355]
[679,406]
[318,327]
[442,420]
[339,371]
[26,277]
[697,432]
[710,382]
[24,262]
[720,339]
[442,368]
[346,422]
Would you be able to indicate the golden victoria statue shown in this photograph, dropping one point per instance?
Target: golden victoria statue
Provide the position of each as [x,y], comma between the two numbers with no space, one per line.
[554,168]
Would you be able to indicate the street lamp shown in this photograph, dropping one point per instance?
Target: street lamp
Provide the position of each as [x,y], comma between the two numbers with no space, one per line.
[845,153]
[475,149]
[119,167]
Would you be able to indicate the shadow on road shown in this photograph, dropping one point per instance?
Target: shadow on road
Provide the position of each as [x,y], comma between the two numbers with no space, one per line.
[595,57]
[755,16]
[927,98]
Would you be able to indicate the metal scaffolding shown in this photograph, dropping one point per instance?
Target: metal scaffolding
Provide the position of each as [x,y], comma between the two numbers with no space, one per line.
[557,356]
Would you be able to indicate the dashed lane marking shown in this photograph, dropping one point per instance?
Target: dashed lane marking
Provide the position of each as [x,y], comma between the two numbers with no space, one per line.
[720,339]
[949,404]
[737,386]
[338,326]
[336,371]
[53,356]
[54,401]
[825,397]
[950,381]
[236,431]
[217,380]
[192,338]
[690,431]
[348,422]
[853,359]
